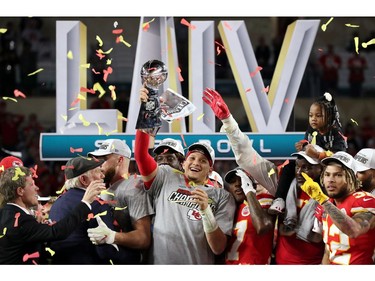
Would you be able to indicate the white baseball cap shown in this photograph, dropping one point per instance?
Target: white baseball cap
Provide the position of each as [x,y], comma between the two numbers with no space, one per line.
[365,159]
[309,159]
[216,177]
[205,147]
[110,146]
[343,158]
[169,143]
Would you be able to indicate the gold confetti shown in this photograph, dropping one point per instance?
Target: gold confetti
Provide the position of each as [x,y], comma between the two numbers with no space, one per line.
[356,41]
[35,72]
[120,208]
[101,214]
[3,30]
[85,65]
[70,55]
[85,122]
[372,41]
[314,134]
[107,52]
[110,133]
[18,173]
[107,192]
[99,40]
[52,252]
[351,25]
[271,172]
[200,116]
[99,128]
[61,190]
[324,26]
[98,87]
[8,98]
[4,232]
[65,117]
[355,122]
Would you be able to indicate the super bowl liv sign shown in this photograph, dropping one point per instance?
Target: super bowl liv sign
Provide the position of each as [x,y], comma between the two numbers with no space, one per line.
[268,114]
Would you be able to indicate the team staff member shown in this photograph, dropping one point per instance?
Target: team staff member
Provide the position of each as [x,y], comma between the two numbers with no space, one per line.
[365,166]
[349,223]
[22,238]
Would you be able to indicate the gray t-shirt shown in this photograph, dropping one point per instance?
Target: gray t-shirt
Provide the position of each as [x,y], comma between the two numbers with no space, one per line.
[130,196]
[178,235]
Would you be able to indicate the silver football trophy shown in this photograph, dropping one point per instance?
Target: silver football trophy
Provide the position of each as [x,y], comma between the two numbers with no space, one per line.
[153,74]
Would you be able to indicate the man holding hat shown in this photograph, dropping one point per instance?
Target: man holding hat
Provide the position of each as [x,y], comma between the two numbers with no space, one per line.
[193,219]
[80,173]
[132,205]
[365,165]
[349,220]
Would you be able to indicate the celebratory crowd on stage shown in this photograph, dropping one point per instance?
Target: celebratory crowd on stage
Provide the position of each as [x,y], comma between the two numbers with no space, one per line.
[318,208]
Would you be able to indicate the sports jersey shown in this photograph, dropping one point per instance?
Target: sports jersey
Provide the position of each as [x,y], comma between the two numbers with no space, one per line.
[342,248]
[178,235]
[291,250]
[245,245]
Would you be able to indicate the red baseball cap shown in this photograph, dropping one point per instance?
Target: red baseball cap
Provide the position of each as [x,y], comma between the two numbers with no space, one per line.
[10,161]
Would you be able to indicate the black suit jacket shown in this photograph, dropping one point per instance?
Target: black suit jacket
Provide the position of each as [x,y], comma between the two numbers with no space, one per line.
[29,236]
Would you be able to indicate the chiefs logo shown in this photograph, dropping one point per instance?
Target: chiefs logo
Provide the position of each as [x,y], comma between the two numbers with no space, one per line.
[194,215]
[245,211]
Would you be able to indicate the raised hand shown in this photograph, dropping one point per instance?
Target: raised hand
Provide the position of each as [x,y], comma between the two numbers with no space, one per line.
[313,189]
[216,102]
[246,182]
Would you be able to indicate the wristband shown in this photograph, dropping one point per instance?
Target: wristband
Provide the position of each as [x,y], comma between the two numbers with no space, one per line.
[208,219]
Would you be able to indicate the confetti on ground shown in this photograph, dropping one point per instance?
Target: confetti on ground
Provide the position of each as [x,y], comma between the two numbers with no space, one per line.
[324,25]
[35,72]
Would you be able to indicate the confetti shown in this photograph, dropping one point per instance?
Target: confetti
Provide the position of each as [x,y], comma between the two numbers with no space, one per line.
[372,41]
[30,256]
[314,134]
[324,26]
[107,71]
[99,40]
[180,78]
[351,25]
[72,150]
[18,93]
[62,189]
[85,122]
[101,214]
[259,68]
[100,130]
[121,39]
[185,22]
[18,173]
[120,208]
[4,232]
[35,72]
[110,133]
[200,116]
[85,65]
[8,98]
[355,122]
[146,25]
[356,42]
[98,87]
[227,25]
[107,192]
[49,250]
[117,31]
[271,172]
[266,89]
[16,216]
[3,30]
[70,55]
[112,88]
[85,90]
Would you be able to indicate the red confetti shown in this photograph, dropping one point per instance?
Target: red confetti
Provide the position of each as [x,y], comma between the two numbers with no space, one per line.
[179,74]
[185,22]
[30,256]
[66,167]
[227,25]
[85,90]
[259,68]
[16,216]
[107,71]
[33,170]
[72,150]
[75,102]
[117,31]
[18,93]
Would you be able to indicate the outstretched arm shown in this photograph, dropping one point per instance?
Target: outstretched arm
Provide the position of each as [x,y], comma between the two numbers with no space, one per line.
[264,171]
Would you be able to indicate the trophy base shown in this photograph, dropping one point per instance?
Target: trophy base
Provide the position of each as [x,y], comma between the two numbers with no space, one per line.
[150,131]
